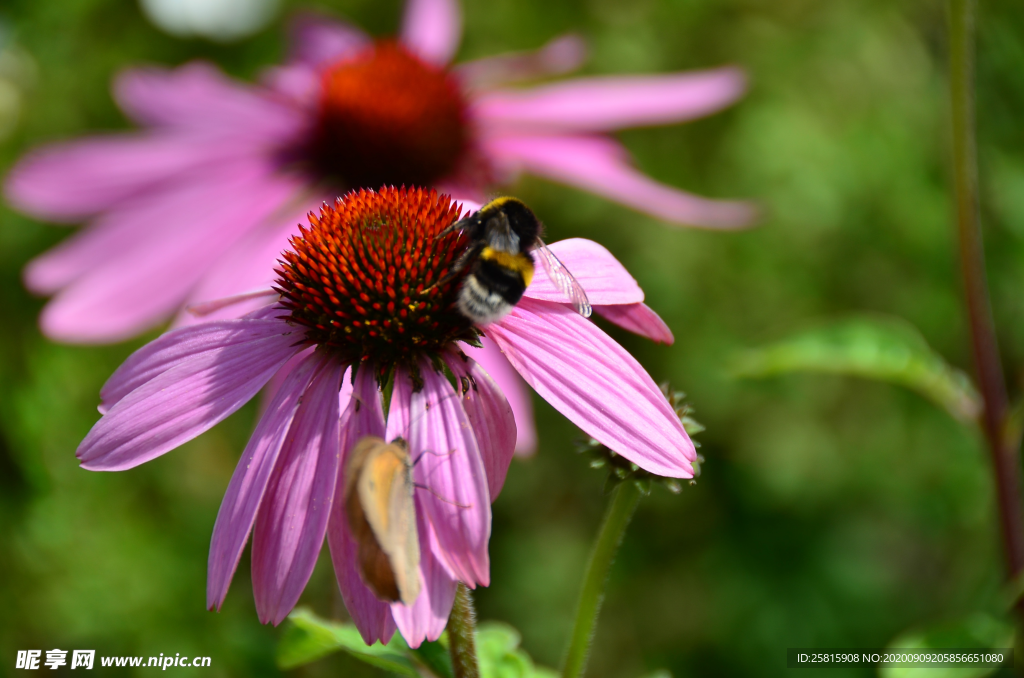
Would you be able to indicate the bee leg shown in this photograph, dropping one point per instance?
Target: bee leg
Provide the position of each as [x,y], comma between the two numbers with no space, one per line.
[460,264]
[463,261]
[456,226]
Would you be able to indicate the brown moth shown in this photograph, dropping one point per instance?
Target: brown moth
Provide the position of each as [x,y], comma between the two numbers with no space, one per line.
[382,517]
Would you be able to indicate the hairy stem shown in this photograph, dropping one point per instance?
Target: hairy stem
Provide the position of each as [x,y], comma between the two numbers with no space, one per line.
[1004,448]
[624,501]
[461,635]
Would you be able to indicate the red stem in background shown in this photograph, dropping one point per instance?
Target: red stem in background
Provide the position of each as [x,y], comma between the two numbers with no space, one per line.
[1005,452]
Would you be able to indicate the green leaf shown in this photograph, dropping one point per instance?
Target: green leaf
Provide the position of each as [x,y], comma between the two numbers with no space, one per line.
[497,649]
[875,347]
[979,631]
[433,655]
[309,638]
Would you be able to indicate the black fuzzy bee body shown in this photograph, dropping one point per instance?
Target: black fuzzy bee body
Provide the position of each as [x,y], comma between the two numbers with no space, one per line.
[504,236]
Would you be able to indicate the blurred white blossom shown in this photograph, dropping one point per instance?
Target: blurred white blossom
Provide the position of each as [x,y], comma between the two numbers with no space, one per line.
[221,20]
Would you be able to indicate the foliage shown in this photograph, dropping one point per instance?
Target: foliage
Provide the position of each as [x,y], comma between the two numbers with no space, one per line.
[886,349]
[309,638]
[978,631]
[830,512]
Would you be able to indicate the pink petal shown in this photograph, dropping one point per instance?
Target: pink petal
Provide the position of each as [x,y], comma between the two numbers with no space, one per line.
[319,41]
[400,412]
[516,393]
[605,280]
[450,469]
[208,308]
[249,481]
[299,84]
[364,412]
[135,287]
[371,616]
[199,96]
[493,422]
[427,617]
[603,104]
[595,384]
[207,341]
[187,399]
[601,166]
[562,55]
[250,262]
[363,416]
[131,225]
[281,377]
[292,519]
[75,180]
[432,29]
[638,319]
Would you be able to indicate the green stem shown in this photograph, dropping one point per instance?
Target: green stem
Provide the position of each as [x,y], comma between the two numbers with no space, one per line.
[624,501]
[461,635]
[1004,448]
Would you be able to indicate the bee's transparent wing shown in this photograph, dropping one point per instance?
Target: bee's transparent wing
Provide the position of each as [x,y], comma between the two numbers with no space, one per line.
[563,280]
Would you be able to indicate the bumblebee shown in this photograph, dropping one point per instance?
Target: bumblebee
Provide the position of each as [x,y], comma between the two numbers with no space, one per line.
[504,238]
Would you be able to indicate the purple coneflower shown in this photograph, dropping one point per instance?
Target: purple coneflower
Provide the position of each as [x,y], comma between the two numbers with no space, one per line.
[198,204]
[365,302]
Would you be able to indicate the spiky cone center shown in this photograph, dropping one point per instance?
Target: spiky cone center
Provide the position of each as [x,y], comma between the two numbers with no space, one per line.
[366,279]
[386,117]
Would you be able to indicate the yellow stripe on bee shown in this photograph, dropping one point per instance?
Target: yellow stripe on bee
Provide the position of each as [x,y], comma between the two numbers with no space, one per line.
[498,202]
[516,262]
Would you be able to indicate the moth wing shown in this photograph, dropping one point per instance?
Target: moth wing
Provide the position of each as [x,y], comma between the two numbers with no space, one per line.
[385,493]
[403,545]
[356,461]
[563,279]
[374,564]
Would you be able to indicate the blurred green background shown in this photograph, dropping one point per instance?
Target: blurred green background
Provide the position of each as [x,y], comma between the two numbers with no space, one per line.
[832,512]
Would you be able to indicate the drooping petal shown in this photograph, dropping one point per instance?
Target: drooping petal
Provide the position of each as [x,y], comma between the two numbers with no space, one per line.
[184,401]
[249,482]
[494,425]
[280,377]
[199,96]
[432,29]
[364,411]
[601,166]
[318,41]
[450,470]
[516,393]
[400,411]
[130,290]
[562,55]
[371,616]
[210,340]
[363,416]
[427,617]
[638,319]
[605,280]
[292,519]
[595,384]
[604,104]
[72,181]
